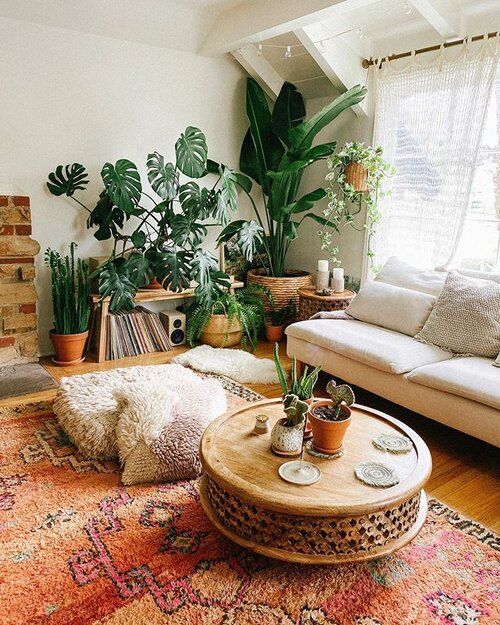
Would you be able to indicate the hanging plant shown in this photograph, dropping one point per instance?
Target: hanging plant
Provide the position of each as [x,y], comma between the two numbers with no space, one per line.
[355,177]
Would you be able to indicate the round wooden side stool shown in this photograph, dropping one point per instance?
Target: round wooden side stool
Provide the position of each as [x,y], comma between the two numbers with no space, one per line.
[310,302]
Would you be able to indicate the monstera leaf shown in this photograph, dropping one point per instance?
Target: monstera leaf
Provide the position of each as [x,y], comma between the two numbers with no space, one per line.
[123,184]
[67,180]
[228,189]
[249,237]
[203,264]
[163,177]
[114,282]
[191,152]
[340,393]
[176,270]
[138,269]
[206,293]
[197,203]
[107,217]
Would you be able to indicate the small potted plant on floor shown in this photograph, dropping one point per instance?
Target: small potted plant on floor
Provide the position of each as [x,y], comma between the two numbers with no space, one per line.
[302,386]
[232,318]
[330,418]
[276,319]
[288,433]
[70,299]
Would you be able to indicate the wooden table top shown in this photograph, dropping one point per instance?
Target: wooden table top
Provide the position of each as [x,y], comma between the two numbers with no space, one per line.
[243,464]
[309,292]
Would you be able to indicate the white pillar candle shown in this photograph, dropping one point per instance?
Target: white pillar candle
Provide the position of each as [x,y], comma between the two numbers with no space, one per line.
[323,265]
[338,273]
[338,285]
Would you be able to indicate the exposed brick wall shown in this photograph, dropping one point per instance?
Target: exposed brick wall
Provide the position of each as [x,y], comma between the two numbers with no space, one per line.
[18,321]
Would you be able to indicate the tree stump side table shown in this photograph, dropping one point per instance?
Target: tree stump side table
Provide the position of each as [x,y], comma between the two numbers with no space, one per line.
[310,302]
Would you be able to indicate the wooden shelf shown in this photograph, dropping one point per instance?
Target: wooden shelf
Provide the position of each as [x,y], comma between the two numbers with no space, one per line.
[100,309]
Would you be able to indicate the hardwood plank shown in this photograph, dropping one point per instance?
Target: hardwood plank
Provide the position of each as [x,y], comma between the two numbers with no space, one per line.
[465,472]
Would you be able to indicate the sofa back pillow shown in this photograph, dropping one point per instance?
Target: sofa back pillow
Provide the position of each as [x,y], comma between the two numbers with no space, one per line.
[497,361]
[392,307]
[465,318]
[400,273]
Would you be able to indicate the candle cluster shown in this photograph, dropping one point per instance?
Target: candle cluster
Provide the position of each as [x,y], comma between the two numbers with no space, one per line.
[323,277]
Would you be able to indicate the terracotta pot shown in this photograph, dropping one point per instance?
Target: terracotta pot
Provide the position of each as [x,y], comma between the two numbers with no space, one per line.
[154,285]
[282,289]
[286,441]
[274,334]
[356,175]
[69,348]
[328,436]
[220,333]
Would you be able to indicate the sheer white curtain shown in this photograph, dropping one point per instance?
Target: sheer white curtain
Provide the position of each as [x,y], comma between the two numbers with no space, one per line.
[429,118]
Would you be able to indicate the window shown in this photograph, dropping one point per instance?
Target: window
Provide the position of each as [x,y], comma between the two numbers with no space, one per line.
[479,246]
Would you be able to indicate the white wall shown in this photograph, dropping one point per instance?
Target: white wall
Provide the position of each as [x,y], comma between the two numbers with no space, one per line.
[305,251]
[68,96]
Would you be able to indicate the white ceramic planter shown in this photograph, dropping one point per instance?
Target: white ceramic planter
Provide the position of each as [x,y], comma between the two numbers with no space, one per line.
[287,441]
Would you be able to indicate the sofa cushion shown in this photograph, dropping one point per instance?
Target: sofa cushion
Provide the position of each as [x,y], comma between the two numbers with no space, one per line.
[392,307]
[473,378]
[382,349]
[466,317]
[400,273]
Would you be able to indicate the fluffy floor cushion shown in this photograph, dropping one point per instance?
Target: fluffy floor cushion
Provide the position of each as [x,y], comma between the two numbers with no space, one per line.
[233,363]
[164,408]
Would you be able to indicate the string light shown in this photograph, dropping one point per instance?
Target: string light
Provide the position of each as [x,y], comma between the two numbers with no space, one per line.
[321,47]
[259,49]
[288,52]
[360,33]
[407,8]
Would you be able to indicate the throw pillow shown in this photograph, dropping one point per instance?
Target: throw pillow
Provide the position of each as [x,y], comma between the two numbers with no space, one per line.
[160,427]
[392,307]
[400,273]
[497,361]
[465,318]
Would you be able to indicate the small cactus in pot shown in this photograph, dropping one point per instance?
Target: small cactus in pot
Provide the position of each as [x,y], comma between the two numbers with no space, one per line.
[330,418]
[288,433]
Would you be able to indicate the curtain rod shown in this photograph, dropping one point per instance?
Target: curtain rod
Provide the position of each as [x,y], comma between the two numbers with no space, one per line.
[366,63]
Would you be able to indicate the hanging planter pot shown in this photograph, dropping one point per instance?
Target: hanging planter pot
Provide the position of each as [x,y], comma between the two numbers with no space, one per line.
[220,332]
[356,175]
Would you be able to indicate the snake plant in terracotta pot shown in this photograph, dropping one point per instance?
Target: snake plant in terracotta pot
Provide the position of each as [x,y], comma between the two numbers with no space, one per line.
[330,418]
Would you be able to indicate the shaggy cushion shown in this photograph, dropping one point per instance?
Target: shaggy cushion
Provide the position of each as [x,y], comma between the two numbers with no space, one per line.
[233,363]
[160,427]
[87,408]
[465,318]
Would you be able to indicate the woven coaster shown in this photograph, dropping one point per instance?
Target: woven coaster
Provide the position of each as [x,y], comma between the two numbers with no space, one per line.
[376,474]
[393,443]
[318,454]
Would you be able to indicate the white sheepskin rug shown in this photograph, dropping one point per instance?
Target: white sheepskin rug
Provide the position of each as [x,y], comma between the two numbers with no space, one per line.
[151,417]
[233,363]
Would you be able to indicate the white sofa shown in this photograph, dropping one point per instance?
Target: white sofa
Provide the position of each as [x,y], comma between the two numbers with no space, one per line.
[461,392]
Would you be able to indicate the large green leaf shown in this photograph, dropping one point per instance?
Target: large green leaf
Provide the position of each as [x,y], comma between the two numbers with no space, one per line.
[267,148]
[115,283]
[228,195]
[203,263]
[289,111]
[67,180]
[300,160]
[123,184]
[197,203]
[163,177]
[138,269]
[290,230]
[138,238]
[176,270]
[244,181]
[181,229]
[106,217]
[191,152]
[303,135]
[249,237]
[248,158]
[218,284]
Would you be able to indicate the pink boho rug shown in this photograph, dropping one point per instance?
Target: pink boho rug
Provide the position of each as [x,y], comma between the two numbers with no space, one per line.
[78,548]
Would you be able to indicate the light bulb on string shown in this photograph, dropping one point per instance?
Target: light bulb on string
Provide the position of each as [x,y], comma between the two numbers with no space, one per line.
[259,49]
[321,47]
[407,8]
[288,52]
[360,33]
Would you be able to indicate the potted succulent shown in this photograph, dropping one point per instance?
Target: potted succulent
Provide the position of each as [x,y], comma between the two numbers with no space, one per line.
[232,318]
[70,299]
[330,418]
[287,435]
[276,319]
[302,386]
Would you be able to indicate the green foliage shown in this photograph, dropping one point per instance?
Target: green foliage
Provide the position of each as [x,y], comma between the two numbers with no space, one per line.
[70,291]
[339,394]
[279,316]
[302,386]
[169,231]
[345,202]
[275,152]
[295,410]
[245,305]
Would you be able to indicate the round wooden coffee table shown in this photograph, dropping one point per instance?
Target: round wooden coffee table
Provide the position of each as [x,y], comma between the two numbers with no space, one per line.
[337,519]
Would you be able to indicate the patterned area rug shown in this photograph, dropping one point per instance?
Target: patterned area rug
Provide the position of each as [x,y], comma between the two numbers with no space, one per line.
[78,548]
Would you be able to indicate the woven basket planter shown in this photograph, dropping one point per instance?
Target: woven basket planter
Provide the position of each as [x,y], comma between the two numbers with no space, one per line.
[283,289]
[219,333]
[356,175]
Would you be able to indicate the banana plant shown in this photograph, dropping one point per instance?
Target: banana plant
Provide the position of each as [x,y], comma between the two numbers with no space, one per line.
[170,220]
[276,151]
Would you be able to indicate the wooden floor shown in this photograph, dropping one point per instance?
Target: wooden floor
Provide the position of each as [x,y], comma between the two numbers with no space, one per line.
[466,471]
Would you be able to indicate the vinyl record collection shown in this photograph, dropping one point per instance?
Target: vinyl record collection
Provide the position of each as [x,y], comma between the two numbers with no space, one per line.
[138,331]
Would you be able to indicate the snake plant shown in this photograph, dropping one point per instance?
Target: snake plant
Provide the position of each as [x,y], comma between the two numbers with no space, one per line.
[70,291]
[302,386]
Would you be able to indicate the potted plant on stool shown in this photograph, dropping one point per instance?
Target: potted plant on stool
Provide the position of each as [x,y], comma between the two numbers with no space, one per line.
[330,418]
[288,433]
[70,299]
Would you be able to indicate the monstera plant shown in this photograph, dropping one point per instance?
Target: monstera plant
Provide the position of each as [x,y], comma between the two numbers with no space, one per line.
[158,233]
[276,151]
